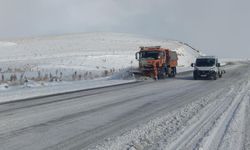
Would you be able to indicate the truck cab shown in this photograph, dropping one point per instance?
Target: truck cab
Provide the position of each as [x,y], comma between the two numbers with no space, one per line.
[207,67]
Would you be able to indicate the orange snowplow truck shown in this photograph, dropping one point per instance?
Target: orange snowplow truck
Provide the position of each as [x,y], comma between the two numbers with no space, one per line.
[157,62]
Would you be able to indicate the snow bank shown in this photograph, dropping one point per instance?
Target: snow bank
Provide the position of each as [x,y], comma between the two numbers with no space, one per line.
[6,44]
[216,121]
[144,136]
[4,86]
[35,89]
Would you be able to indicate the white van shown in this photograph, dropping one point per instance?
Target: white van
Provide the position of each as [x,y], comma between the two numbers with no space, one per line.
[207,67]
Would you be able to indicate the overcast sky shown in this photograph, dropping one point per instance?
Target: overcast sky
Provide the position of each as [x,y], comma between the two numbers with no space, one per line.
[217,27]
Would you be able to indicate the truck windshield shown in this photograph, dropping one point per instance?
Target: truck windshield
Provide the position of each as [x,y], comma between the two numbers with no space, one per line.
[205,62]
[150,55]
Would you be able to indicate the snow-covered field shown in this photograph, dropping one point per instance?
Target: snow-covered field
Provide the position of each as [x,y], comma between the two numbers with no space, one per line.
[62,60]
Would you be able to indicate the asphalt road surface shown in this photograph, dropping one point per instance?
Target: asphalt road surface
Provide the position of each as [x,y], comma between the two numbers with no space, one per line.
[79,120]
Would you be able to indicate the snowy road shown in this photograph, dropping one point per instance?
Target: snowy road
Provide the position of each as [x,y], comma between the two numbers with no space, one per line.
[167,114]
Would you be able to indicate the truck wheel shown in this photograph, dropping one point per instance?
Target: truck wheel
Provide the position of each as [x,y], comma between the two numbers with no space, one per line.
[161,76]
[173,72]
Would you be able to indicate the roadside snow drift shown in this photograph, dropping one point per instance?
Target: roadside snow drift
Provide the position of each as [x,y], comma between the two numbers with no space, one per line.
[217,121]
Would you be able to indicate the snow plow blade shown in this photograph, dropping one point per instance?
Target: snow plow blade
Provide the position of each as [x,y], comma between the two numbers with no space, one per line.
[136,73]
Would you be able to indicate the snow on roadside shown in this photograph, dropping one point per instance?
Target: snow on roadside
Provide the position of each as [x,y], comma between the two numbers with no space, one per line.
[34,89]
[207,132]
[214,138]
[196,127]
[234,136]
[206,124]
[247,130]
[4,86]
[7,44]
[145,135]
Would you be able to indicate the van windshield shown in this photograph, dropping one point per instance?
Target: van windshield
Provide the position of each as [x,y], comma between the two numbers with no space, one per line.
[150,55]
[208,62]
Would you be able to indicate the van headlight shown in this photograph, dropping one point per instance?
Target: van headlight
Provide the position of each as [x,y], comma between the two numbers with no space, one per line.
[212,69]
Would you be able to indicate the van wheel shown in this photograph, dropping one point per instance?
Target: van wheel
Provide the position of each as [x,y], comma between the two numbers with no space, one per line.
[215,77]
[220,75]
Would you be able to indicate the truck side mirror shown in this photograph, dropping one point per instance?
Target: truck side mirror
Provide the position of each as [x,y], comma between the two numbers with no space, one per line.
[137,55]
[218,65]
[192,65]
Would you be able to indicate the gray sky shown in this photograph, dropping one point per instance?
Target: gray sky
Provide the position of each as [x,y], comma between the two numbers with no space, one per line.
[217,27]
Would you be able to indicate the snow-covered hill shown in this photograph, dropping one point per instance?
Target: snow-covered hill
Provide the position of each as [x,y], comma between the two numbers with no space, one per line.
[88,52]
[79,56]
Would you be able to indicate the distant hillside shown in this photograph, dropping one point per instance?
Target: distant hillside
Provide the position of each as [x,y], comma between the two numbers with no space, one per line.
[89,55]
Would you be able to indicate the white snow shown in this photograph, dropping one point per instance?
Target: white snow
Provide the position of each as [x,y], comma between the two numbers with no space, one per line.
[91,60]
[78,57]
[4,86]
[234,136]
[216,121]
[35,89]
[6,44]
[216,136]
